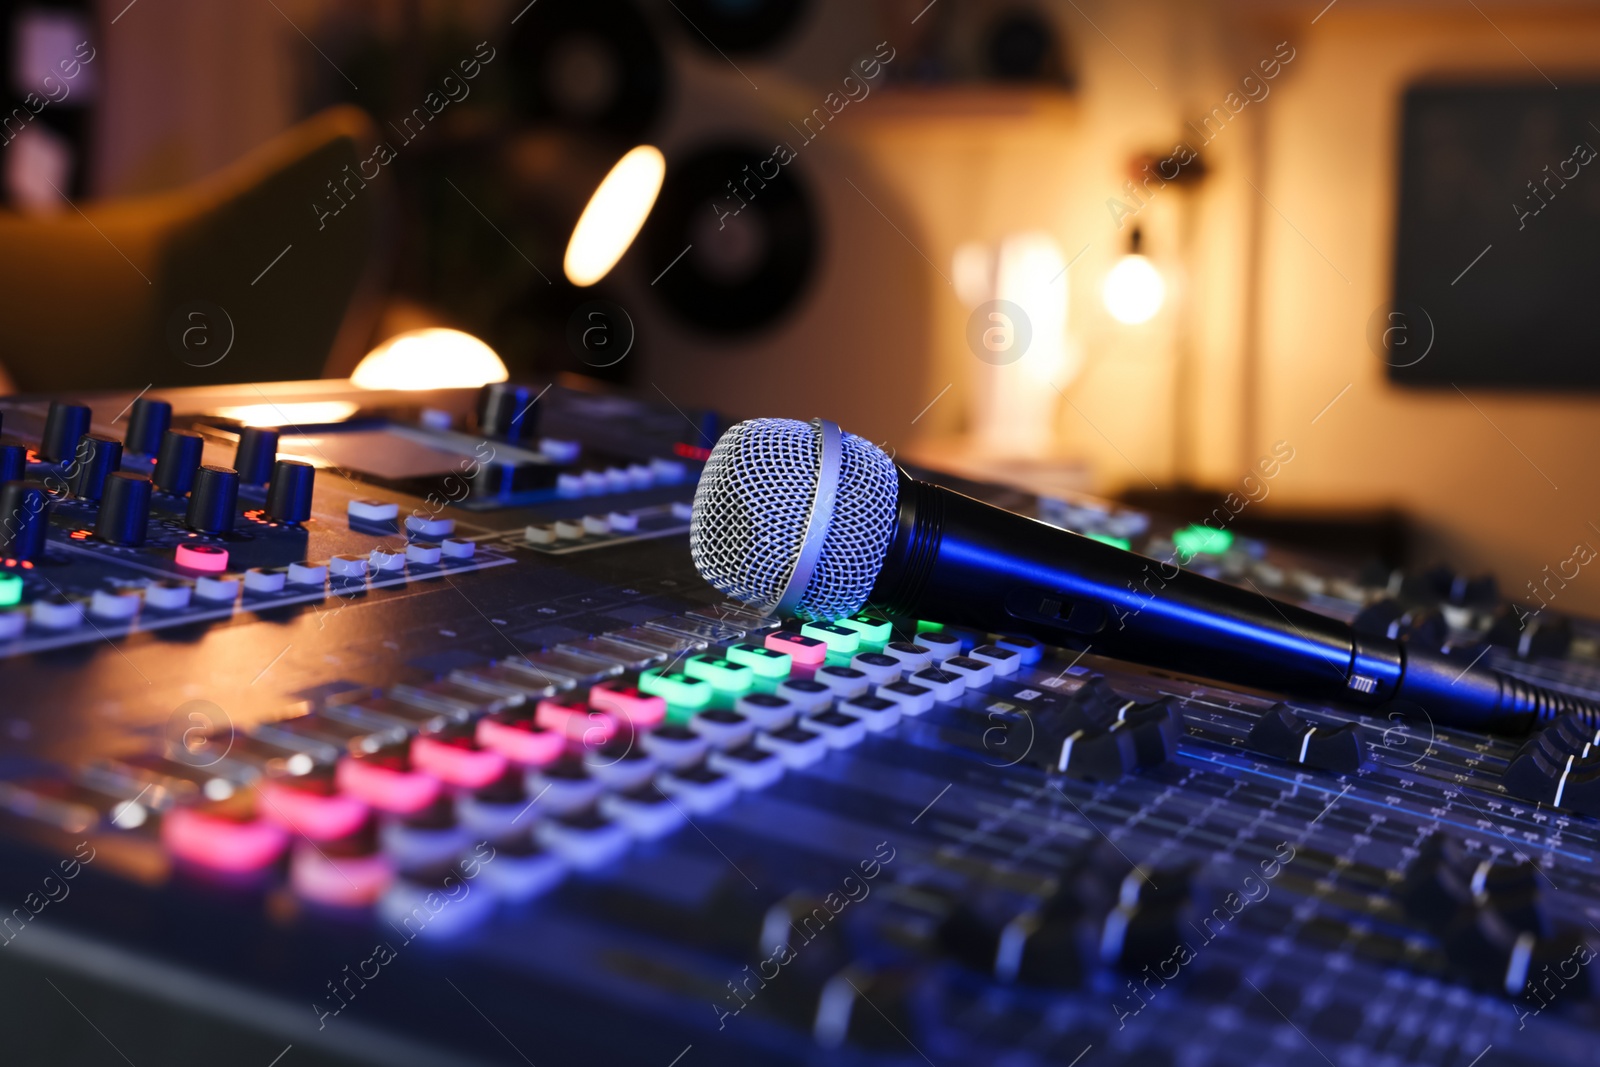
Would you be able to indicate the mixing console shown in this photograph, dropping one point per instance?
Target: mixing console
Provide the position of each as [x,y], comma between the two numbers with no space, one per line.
[397,728]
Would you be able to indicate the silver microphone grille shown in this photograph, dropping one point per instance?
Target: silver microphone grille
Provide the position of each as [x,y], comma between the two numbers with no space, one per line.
[764,516]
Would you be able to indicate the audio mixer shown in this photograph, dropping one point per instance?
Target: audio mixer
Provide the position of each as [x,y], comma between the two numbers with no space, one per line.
[392,728]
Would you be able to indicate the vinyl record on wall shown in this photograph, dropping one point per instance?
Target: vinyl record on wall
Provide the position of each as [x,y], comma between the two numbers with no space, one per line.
[733,240]
[592,65]
[740,25]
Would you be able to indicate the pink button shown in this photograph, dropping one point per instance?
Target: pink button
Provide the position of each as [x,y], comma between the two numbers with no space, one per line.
[212,559]
[387,783]
[577,722]
[219,843]
[626,701]
[521,740]
[806,650]
[317,814]
[458,761]
[342,881]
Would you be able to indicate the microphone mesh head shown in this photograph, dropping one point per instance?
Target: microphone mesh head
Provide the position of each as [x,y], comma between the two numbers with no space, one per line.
[753,506]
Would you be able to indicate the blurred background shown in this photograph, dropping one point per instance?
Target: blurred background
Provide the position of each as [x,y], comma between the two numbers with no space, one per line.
[1132,247]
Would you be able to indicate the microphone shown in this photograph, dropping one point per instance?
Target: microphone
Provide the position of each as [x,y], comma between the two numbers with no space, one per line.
[804,519]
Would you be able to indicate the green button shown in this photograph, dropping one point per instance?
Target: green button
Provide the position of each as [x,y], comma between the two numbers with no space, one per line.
[10,590]
[924,625]
[873,630]
[725,675]
[677,689]
[1106,539]
[766,662]
[1195,540]
[837,638]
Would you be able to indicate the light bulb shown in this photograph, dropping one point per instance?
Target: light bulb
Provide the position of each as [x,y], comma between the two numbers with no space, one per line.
[1134,290]
[614,215]
[431,358]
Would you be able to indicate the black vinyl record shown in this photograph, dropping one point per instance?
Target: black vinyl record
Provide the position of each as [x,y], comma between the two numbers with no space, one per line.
[588,65]
[733,239]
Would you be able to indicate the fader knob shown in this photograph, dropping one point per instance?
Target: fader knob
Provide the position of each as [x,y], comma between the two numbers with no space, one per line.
[177,461]
[214,500]
[508,410]
[258,449]
[148,422]
[93,459]
[289,491]
[63,425]
[124,509]
[22,519]
[13,463]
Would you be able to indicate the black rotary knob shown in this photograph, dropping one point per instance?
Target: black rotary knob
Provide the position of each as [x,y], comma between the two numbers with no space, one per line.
[214,500]
[124,517]
[95,457]
[148,422]
[63,425]
[289,491]
[253,459]
[177,461]
[13,463]
[22,519]
[508,411]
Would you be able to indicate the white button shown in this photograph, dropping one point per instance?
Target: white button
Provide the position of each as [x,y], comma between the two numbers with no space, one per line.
[559,451]
[617,480]
[682,509]
[107,604]
[796,746]
[373,510]
[308,573]
[640,476]
[569,484]
[807,695]
[387,559]
[216,589]
[844,681]
[596,524]
[258,580]
[724,729]
[12,623]
[946,685]
[667,470]
[749,773]
[1004,660]
[836,728]
[623,522]
[422,552]
[456,548]
[168,595]
[584,848]
[914,656]
[768,711]
[347,566]
[542,534]
[875,713]
[568,530]
[593,481]
[943,646]
[429,526]
[913,699]
[877,673]
[976,671]
[644,819]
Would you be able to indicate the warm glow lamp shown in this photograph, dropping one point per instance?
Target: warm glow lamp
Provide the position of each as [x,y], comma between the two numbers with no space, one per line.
[432,358]
[1134,290]
[614,215]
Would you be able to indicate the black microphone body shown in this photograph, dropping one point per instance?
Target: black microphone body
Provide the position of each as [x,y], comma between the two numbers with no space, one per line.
[961,560]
